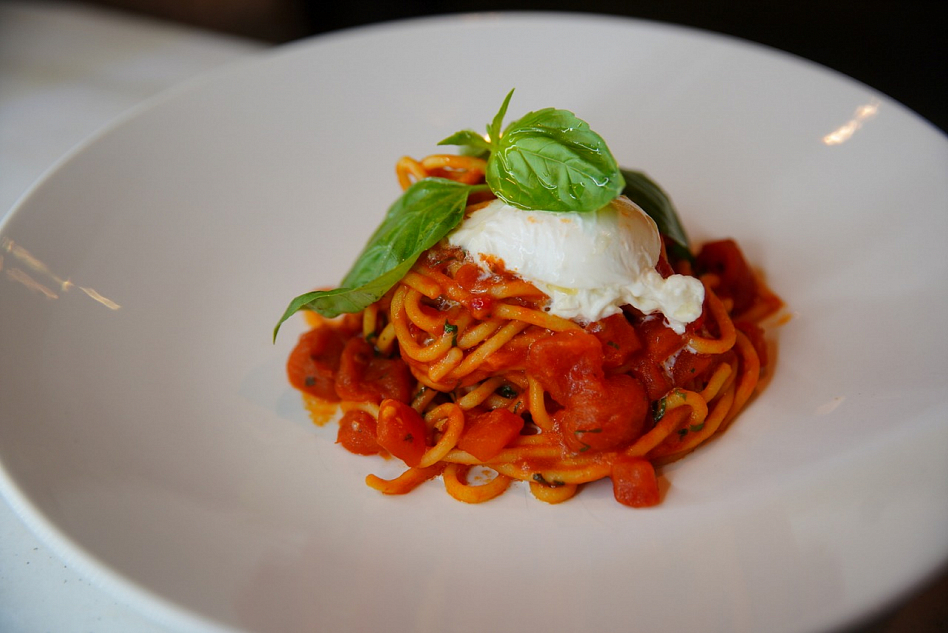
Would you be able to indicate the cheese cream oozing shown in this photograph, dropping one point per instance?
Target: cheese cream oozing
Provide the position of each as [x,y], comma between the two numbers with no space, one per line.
[590,264]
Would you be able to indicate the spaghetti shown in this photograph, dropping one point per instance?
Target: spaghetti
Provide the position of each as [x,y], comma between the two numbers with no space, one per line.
[463,375]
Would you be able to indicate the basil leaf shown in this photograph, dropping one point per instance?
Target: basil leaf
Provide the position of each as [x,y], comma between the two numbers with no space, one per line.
[470,141]
[425,213]
[646,193]
[493,130]
[551,160]
[548,159]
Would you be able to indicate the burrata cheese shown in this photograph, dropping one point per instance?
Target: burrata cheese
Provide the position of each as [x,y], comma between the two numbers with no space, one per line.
[589,264]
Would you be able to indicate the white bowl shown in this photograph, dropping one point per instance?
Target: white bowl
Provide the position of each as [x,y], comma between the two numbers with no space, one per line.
[148,434]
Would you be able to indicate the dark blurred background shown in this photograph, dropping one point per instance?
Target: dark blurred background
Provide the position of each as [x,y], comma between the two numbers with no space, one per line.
[895,47]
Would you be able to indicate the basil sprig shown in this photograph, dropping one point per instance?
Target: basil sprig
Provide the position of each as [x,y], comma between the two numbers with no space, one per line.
[425,212]
[548,159]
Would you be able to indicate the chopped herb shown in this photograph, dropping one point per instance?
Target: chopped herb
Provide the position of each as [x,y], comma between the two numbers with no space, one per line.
[450,328]
[587,431]
[409,438]
[613,344]
[660,409]
[537,477]
[310,381]
[506,391]
[694,428]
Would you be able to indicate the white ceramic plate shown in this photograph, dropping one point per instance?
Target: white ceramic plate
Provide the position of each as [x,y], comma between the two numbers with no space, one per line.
[148,434]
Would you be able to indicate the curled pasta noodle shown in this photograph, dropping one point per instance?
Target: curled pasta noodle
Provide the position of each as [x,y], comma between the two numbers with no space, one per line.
[707,345]
[480,393]
[455,482]
[406,482]
[449,419]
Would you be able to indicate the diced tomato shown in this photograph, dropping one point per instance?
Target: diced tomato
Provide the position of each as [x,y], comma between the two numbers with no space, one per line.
[660,343]
[480,307]
[651,376]
[597,412]
[689,366]
[467,277]
[603,415]
[634,483]
[365,377]
[725,259]
[401,431]
[357,433]
[312,364]
[660,340]
[487,434]
[618,338]
[565,361]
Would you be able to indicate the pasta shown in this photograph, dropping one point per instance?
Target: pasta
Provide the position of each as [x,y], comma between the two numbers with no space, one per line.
[461,372]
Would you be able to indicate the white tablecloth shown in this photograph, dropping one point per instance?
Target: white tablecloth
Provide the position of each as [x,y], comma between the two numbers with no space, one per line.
[66,70]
